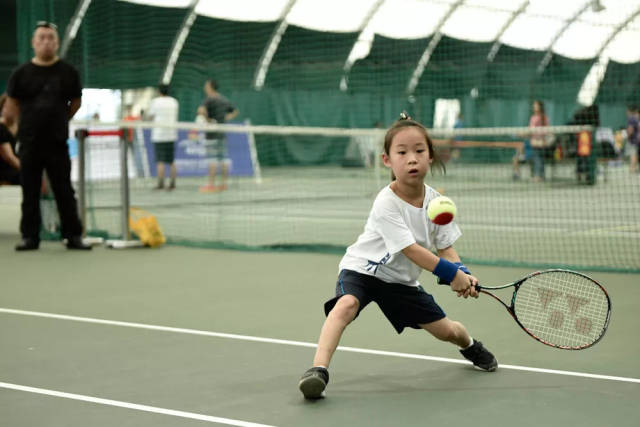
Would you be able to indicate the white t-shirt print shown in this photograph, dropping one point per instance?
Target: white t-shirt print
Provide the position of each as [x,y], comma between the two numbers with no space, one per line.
[394,224]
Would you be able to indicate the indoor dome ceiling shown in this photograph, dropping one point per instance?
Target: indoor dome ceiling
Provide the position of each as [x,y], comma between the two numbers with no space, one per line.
[578,29]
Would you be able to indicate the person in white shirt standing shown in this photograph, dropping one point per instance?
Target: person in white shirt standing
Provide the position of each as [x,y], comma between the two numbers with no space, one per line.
[164,109]
[384,264]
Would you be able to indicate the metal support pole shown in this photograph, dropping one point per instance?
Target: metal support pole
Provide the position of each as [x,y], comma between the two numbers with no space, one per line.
[81,135]
[124,189]
[126,241]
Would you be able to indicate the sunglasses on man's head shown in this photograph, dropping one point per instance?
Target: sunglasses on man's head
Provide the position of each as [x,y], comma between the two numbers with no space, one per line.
[46,24]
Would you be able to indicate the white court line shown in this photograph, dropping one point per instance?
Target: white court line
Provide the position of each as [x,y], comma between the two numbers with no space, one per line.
[137,407]
[303,344]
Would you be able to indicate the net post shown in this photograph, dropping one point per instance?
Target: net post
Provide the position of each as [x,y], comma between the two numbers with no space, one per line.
[124,188]
[254,155]
[81,135]
[125,241]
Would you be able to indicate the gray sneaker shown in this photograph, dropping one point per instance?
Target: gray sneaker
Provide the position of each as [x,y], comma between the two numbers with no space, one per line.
[480,357]
[313,382]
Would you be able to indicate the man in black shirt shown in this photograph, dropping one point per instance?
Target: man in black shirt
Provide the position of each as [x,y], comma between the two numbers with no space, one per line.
[45,93]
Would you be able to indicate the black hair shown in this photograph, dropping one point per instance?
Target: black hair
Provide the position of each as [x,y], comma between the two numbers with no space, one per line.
[406,121]
[46,24]
[163,89]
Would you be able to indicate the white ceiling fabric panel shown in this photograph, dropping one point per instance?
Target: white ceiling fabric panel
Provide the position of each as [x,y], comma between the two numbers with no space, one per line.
[581,40]
[161,3]
[563,9]
[408,19]
[615,12]
[475,23]
[242,10]
[330,15]
[625,47]
[473,20]
[498,5]
[531,32]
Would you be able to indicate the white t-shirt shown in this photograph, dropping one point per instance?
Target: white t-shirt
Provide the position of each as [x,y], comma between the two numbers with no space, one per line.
[164,109]
[394,224]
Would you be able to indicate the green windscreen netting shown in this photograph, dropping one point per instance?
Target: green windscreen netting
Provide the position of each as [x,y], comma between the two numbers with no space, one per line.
[312,189]
[123,45]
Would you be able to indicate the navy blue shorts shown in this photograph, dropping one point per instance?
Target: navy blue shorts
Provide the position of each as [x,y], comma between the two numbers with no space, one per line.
[404,306]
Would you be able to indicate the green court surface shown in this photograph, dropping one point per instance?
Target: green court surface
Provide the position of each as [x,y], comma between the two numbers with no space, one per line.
[183,336]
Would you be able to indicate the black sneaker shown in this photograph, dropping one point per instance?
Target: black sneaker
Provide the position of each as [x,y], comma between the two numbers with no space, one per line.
[28,244]
[76,243]
[480,356]
[313,382]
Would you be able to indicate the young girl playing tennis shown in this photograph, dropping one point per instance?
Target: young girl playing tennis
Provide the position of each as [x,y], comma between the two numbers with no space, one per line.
[383,265]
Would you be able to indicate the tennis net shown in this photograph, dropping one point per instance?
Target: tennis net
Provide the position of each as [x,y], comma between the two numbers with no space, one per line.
[312,188]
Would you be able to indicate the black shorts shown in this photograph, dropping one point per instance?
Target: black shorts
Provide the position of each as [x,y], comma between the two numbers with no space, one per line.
[404,306]
[164,152]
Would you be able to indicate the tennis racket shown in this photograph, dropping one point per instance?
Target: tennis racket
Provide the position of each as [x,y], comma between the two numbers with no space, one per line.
[559,308]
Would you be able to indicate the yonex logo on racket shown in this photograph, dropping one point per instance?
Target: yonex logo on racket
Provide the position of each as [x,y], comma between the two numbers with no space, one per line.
[560,308]
[583,325]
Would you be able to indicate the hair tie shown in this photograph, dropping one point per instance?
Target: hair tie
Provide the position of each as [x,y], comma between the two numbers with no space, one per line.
[404,116]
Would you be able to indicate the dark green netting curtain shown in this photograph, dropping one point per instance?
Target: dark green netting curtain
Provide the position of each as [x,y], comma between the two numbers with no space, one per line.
[509,74]
[309,60]
[388,67]
[123,45]
[226,51]
[9,47]
[454,69]
[320,108]
[561,79]
[621,84]
[301,90]
[619,89]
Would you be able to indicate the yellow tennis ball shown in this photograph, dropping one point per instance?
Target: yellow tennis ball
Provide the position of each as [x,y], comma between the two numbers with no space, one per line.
[441,210]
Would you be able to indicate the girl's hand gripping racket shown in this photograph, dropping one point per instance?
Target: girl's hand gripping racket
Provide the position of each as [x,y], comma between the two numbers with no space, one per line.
[559,308]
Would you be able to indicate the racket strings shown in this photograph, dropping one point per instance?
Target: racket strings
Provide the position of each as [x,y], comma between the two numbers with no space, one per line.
[562,308]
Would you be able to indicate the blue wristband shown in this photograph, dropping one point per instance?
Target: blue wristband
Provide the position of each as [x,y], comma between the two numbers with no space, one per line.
[460,267]
[445,270]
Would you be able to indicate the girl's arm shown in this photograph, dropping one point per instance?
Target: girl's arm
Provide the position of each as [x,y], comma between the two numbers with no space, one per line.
[449,254]
[460,283]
